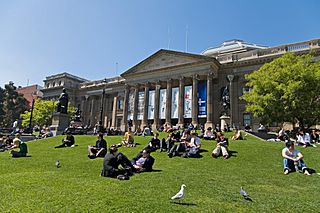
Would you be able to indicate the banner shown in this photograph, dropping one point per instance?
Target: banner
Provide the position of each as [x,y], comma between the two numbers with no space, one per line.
[187,101]
[174,102]
[202,99]
[151,105]
[130,105]
[140,105]
[162,101]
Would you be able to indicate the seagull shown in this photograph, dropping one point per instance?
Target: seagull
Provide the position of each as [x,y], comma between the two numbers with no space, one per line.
[180,194]
[58,164]
[244,194]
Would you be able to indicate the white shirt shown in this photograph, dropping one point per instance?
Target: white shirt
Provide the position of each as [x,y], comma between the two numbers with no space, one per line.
[292,154]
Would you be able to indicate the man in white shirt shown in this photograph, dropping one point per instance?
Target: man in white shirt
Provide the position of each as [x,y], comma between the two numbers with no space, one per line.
[292,159]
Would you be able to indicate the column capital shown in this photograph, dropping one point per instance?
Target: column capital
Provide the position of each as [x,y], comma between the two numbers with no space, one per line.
[210,75]
[230,77]
[182,78]
[195,77]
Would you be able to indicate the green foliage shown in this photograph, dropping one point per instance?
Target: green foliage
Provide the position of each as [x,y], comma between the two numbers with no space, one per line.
[34,184]
[42,113]
[12,104]
[286,89]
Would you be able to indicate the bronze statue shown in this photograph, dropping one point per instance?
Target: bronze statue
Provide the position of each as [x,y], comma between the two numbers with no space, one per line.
[63,102]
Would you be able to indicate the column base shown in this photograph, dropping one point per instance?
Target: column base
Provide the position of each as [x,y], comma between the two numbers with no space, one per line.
[208,124]
[224,120]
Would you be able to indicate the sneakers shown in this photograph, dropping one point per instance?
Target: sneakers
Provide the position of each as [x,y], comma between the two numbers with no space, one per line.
[306,173]
[286,172]
[170,155]
[122,177]
[213,155]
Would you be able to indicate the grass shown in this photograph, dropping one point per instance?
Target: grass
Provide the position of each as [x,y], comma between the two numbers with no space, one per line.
[34,184]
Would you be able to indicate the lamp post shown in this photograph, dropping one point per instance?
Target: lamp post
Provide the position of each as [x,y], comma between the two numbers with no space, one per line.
[30,129]
[230,78]
[101,128]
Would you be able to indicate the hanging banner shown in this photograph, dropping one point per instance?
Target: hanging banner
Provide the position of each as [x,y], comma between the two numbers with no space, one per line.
[202,99]
[140,105]
[130,105]
[162,107]
[151,105]
[187,101]
[174,102]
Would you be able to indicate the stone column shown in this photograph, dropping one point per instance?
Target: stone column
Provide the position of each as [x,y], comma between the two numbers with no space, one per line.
[146,102]
[168,101]
[135,107]
[124,123]
[195,100]
[156,106]
[230,78]
[181,103]
[92,116]
[114,112]
[209,101]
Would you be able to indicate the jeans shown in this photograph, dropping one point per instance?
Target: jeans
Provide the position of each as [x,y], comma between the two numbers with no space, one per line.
[289,164]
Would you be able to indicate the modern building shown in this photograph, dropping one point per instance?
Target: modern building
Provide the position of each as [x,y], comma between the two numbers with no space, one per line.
[175,87]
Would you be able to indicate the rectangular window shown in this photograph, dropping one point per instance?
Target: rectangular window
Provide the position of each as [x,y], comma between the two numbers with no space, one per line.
[246,119]
[120,104]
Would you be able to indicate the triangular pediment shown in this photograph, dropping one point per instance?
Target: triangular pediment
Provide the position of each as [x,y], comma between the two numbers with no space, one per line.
[165,59]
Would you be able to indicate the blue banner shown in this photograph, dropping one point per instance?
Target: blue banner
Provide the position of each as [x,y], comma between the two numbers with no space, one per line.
[202,99]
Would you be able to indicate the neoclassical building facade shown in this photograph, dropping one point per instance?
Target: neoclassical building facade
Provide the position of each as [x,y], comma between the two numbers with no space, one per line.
[175,87]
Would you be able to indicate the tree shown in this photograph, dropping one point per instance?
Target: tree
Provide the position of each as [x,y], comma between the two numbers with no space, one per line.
[13,104]
[286,90]
[42,113]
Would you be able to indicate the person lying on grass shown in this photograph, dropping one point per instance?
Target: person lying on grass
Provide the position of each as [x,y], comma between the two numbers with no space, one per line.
[18,143]
[292,159]
[222,147]
[143,162]
[112,162]
[68,141]
[100,149]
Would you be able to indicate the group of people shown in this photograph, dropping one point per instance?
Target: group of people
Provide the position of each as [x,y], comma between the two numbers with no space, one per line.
[6,143]
[187,144]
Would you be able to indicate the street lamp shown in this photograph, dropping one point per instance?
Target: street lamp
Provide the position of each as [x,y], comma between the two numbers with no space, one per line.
[230,78]
[30,129]
[101,128]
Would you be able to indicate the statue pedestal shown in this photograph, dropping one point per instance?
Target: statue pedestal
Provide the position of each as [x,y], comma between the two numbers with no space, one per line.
[224,120]
[60,122]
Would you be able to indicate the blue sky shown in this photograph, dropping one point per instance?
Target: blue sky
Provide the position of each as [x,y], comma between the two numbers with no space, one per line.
[95,39]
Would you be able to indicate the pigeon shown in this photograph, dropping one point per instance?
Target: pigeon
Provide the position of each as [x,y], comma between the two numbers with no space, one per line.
[180,194]
[244,194]
[58,164]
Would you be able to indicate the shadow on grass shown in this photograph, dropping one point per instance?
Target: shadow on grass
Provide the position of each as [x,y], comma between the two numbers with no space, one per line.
[184,204]
[232,153]
[156,170]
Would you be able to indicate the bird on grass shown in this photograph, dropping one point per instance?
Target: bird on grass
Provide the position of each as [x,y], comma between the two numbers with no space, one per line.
[180,194]
[244,194]
[58,164]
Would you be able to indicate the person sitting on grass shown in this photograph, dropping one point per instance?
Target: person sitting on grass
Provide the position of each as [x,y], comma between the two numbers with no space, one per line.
[180,149]
[222,147]
[111,164]
[18,143]
[143,162]
[167,143]
[128,138]
[292,160]
[154,143]
[99,150]
[237,135]
[68,141]
[193,148]
[208,134]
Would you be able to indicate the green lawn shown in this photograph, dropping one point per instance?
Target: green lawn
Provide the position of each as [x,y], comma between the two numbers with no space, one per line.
[34,184]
